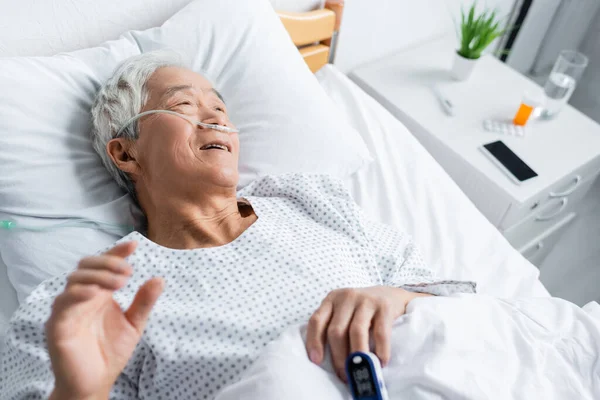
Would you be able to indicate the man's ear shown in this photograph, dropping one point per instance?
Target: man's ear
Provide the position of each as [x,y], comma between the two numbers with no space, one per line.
[122,153]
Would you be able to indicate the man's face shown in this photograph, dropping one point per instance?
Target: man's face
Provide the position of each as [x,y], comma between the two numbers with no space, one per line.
[175,154]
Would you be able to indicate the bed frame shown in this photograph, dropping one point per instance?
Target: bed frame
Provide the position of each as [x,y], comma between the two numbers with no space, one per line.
[315,33]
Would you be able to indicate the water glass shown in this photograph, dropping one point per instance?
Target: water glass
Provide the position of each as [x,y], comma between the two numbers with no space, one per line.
[562,81]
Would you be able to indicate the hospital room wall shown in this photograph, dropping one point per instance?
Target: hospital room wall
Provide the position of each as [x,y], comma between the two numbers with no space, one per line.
[374,29]
[587,96]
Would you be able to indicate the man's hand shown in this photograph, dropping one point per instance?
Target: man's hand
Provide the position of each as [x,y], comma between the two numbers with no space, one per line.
[347,318]
[90,339]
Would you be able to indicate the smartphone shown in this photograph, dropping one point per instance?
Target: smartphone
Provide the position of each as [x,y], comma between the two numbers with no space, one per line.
[505,159]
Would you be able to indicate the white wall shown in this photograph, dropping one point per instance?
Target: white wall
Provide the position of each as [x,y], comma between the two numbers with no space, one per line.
[373,29]
[532,33]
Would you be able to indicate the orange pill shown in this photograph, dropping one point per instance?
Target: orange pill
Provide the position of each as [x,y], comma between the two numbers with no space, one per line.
[523,114]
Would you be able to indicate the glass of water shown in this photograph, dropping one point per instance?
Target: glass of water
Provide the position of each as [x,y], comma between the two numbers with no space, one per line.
[562,81]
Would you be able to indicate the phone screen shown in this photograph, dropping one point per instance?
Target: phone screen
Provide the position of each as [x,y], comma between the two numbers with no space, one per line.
[510,160]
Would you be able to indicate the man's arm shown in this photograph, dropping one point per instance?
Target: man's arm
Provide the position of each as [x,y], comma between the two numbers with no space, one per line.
[76,346]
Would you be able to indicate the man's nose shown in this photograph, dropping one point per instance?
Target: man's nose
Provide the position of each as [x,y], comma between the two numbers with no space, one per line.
[215,117]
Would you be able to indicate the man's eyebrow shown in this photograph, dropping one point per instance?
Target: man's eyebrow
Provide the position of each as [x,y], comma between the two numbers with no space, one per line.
[174,89]
[215,91]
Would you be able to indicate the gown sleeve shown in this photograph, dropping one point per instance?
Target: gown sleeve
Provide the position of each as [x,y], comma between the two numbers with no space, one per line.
[401,264]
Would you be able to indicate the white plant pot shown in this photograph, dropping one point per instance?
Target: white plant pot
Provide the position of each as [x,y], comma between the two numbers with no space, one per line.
[462,67]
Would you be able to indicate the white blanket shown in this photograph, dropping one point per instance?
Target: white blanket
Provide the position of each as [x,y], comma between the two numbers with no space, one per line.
[460,347]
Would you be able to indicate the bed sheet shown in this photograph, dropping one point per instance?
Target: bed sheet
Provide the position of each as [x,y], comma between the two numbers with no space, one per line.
[405,187]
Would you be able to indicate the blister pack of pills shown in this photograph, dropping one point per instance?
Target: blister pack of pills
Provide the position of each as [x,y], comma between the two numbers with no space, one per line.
[504,127]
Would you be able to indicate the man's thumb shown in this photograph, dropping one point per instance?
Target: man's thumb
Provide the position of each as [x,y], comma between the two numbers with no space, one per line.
[144,301]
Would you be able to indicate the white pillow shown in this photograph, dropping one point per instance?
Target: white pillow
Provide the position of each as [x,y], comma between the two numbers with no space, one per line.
[50,172]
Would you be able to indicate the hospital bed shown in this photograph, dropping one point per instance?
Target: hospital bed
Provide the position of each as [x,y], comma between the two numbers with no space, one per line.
[403,186]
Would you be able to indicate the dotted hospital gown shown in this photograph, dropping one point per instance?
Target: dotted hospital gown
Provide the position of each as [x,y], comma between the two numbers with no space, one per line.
[222,305]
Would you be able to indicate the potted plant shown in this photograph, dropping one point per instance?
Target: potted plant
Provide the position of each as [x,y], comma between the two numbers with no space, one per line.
[476,33]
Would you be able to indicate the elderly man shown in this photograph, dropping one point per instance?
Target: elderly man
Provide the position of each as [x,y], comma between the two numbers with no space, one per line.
[222,273]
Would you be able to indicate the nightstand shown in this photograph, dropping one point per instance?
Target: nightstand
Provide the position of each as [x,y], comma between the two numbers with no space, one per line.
[565,151]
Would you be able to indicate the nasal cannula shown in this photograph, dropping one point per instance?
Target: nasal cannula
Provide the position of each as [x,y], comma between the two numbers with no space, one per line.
[9,225]
[12,225]
[216,127]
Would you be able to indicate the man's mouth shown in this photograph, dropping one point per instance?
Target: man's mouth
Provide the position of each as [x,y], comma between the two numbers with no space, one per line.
[215,146]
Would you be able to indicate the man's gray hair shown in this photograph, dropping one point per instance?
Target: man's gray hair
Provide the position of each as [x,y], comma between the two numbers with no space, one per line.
[122,97]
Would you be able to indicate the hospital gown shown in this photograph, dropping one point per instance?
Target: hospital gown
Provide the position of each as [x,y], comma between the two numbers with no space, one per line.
[222,305]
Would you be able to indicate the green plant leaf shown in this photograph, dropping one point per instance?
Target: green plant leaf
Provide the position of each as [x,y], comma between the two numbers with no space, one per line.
[471,15]
[478,30]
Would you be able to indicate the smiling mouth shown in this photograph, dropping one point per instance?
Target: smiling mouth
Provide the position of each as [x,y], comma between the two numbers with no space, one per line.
[215,146]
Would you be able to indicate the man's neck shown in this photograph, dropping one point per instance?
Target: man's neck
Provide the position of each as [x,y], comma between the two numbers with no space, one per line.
[207,222]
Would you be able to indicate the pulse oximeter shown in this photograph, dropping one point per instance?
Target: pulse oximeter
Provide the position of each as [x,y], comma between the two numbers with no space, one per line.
[365,377]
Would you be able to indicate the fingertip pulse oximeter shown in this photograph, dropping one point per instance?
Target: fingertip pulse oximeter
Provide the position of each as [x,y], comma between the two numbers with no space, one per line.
[365,377]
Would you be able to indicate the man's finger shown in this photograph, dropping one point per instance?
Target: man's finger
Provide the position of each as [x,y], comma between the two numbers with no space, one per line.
[337,336]
[144,301]
[315,332]
[122,249]
[105,279]
[73,296]
[359,328]
[76,303]
[382,331]
[107,262]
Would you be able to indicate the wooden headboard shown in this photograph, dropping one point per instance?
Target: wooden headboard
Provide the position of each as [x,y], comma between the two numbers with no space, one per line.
[315,32]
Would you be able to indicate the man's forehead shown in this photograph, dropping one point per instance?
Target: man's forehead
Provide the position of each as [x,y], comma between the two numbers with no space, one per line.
[171,75]
[172,90]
